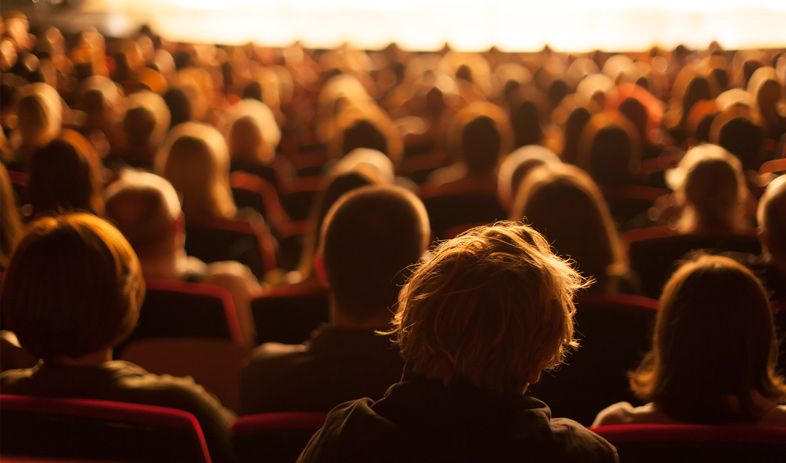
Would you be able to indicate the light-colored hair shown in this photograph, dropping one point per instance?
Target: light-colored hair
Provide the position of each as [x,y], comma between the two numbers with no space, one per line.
[609,148]
[714,340]
[74,287]
[144,207]
[195,159]
[710,185]
[515,167]
[771,216]
[252,132]
[492,307]
[147,119]
[40,115]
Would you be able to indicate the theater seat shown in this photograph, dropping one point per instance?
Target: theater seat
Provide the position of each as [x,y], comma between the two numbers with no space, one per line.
[289,314]
[98,430]
[248,242]
[654,258]
[213,363]
[180,309]
[274,437]
[614,333]
[650,443]
[298,198]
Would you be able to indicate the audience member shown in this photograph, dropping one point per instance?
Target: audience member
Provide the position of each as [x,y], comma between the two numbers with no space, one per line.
[73,324]
[586,234]
[477,322]
[10,225]
[65,175]
[146,209]
[369,238]
[713,352]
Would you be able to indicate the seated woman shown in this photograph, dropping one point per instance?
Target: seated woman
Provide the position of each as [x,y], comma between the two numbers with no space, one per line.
[71,294]
[562,202]
[713,353]
[253,136]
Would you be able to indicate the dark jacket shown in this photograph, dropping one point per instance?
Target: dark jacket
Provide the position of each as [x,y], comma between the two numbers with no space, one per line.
[422,420]
[337,364]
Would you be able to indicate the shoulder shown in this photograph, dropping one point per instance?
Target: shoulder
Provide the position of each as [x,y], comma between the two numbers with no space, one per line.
[271,361]
[775,417]
[10,380]
[581,444]
[625,413]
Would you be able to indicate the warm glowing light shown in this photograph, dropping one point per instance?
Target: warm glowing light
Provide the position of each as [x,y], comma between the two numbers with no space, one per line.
[570,25]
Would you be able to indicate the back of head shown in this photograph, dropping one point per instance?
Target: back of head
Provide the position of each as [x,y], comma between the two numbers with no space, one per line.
[369,238]
[710,185]
[771,216]
[714,345]
[610,149]
[736,131]
[480,145]
[362,133]
[65,175]
[179,106]
[40,115]
[145,208]
[564,204]
[253,133]
[525,122]
[195,159]
[73,287]
[146,120]
[491,307]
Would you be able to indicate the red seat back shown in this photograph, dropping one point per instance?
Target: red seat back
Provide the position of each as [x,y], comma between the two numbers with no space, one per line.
[98,429]
[279,437]
[645,443]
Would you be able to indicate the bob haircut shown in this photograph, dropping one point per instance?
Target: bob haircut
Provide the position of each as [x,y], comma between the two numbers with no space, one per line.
[74,286]
[195,159]
[714,341]
[66,175]
[564,203]
[492,307]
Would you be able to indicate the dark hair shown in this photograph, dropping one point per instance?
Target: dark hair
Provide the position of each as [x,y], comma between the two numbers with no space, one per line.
[363,134]
[369,238]
[480,144]
[525,122]
[179,106]
[65,175]
[714,340]
[74,287]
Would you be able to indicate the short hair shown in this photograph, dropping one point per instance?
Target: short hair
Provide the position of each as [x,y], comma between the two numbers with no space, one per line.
[771,216]
[65,175]
[146,120]
[479,134]
[252,132]
[492,307]
[609,149]
[144,208]
[40,114]
[370,236]
[179,106]
[736,130]
[74,286]
[714,338]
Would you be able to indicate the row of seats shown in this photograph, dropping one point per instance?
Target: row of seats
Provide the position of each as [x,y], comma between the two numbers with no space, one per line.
[91,430]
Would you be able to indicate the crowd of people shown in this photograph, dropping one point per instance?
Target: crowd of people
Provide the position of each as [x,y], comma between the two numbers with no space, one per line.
[453,210]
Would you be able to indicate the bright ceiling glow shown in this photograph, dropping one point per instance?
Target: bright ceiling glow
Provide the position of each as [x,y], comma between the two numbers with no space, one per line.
[569,25]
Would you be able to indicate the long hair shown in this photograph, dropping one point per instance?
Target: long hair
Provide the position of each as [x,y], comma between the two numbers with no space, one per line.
[714,345]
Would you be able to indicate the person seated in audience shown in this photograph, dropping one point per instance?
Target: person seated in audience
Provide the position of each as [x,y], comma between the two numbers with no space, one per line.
[145,125]
[40,115]
[336,185]
[102,102]
[253,136]
[771,217]
[65,175]
[146,209]
[478,321]
[610,150]
[738,130]
[711,195]
[10,224]
[195,159]
[515,168]
[369,238]
[179,106]
[71,294]
[478,136]
[564,204]
[713,352]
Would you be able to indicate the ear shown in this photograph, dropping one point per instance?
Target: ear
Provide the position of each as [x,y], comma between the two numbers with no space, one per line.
[319,268]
